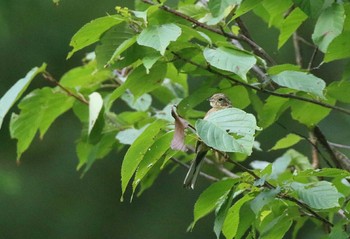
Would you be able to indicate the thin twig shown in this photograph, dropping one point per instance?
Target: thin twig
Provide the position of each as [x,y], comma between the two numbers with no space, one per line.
[253,87]
[204,175]
[298,58]
[49,77]
[312,59]
[256,48]
[339,145]
[315,161]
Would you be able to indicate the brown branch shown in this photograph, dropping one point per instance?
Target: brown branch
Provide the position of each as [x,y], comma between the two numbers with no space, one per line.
[256,48]
[253,87]
[314,151]
[298,58]
[50,78]
[312,59]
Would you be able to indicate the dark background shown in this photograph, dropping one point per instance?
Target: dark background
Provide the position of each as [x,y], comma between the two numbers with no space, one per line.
[45,197]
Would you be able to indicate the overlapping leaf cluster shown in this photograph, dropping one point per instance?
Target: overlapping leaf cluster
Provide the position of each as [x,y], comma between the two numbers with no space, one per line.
[143,64]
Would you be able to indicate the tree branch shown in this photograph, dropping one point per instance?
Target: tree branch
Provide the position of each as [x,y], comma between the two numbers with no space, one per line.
[50,78]
[256,48]
[253,87]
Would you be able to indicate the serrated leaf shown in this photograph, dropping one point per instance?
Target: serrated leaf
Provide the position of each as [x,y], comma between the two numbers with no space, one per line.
[300,81]
[91,32]
[287,141]
[211,197]
[328,26]
[290,25]
[38,110]
[137,151]
[319,195]
[231,60]
[215,130]
[16,91]
[159,37]
[232,220]
[153,154]
[95,106]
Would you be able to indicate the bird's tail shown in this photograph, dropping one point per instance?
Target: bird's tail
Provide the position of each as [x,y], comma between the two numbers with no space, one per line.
[193,172]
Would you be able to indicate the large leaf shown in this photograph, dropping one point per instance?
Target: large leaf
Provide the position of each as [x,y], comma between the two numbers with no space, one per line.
[232,220]
[137,151]
[38,110]
[92,31]
[286,142]
[277,228]
[311,8]
[300,81]
[319,195]
[338,48]
[324,172]
[229,59]
[328,26]
[245,7]
[16,91]
[339,90]
[290,25]
[262,199]
[272,110]
[159,36]
[220,9]
[215,130]
[153,154]
[211,198]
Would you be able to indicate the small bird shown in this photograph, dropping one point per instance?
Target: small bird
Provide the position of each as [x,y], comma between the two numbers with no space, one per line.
[217,102]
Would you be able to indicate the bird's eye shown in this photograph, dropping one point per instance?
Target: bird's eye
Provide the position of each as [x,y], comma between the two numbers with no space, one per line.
[220,99]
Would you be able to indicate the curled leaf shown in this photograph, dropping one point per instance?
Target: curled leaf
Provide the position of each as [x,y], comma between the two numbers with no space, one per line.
[178,141]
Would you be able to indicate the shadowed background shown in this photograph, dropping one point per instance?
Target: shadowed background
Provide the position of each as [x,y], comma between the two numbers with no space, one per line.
[45,197]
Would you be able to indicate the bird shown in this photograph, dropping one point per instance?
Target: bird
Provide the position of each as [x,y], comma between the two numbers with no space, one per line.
[218,101]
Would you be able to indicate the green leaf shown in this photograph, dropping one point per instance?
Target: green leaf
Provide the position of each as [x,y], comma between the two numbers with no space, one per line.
[280,165]
[286,142]
[339,90]
[328,26]
[16,91]
[92,31]
[309,114]
[128,136]
[95,106]
[338,48]
[290,25]
[262,199]
[38,111]
[211,198]
[220,9]
[89,153]
[319,195]
[272,110]
[245,7]
[229,59]
[274,70]
[159,36]
[113,43]
[85,78]
[300,81]
[311,8]
[324,172]
[215,130]
[232,220]
[153,154]
[137,151]
[277,228]
[276,10]
[140,104]
[338,232]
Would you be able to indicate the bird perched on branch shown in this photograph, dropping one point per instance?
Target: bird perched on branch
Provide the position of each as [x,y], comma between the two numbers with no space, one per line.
[217,102]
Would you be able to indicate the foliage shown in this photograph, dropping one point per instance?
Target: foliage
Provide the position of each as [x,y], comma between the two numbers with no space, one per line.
[145,59]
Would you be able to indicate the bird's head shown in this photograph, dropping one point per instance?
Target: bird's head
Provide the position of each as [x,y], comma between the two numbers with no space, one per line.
[219,100]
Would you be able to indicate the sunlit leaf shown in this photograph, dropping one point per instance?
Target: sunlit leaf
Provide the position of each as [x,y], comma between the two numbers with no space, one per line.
[319,195]
[128,136]
[16,91]
[338,48]
[137,151]
[159,37]
[92,31]
[220,9]
[229,59]
[300,81]
[339,90]
[95,106]
[38,111]
[287,141]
